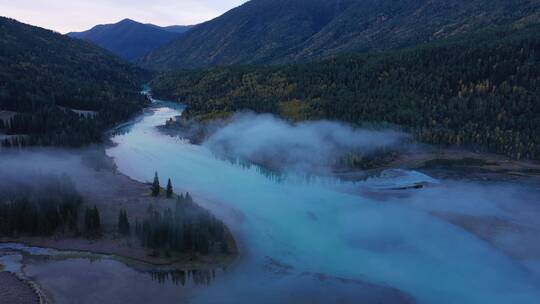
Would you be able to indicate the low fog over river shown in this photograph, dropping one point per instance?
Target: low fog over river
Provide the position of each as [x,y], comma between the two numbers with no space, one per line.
[323,241]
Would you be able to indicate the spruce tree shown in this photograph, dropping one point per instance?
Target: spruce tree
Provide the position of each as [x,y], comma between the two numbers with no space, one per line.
[92,223]
[123,223]
[169,189]
[155,185]
[88,222]
[188,198]
[97,222]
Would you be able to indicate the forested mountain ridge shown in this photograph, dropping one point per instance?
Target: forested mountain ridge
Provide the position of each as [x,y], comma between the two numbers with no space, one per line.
[47,77]
[378,25]
[479,90]
[254,32]
[130,39]
[287,31]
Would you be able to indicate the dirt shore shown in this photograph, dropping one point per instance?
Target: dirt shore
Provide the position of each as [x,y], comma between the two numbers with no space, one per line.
[465,164]
[16,291]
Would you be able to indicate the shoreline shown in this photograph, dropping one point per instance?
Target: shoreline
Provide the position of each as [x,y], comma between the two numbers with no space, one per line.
[432,159]
[75,251]
[101,184]
[454,163]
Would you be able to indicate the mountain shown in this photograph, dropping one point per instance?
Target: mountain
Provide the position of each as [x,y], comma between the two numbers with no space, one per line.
[130,39]
[180,29]
[479,90]
[284,31]
[66,91]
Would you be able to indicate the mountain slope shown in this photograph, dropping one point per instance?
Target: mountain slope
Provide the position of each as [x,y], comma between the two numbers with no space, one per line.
[379,25]
[480,90]
[50,78]
[130,39]
[257,31]
[283,31]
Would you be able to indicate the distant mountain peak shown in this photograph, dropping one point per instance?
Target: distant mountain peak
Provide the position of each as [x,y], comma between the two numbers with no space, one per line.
[128,21]
[130,39]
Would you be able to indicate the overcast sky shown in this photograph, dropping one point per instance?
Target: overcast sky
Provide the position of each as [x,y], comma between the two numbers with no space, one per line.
[78,15]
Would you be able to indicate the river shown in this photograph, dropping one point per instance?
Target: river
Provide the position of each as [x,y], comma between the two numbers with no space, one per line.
[324,241]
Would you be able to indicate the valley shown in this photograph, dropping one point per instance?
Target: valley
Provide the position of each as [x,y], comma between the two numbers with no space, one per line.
[261,216]
[265,215]
[280,151]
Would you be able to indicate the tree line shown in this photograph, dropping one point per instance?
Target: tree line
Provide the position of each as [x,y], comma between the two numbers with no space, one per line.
[46,206]
[43,75]
[52,207]
[186,229]
[481,90]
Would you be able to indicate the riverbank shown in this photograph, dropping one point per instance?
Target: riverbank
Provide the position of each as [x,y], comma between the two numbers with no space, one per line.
[454,163]
[392,239]
[99,183]
[437,161]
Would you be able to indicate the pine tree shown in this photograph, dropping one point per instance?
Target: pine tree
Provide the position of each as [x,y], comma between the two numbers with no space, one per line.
[169,189]
[92,223]
[88,222]
[97,222]
[123,223]
[155,185]
[188,198]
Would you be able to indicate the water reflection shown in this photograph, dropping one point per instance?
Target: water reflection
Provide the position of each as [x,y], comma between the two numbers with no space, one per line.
[198,277]
[94,278]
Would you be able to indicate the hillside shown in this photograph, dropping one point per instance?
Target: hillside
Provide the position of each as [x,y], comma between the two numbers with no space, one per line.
[285,31]
[255,32]
[180,29]
[66,91]
[480,90]
[130,39]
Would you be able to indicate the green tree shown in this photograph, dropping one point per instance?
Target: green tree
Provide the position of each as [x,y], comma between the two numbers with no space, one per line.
[92,223]
[155,186]
[97,222]
[123,223]
[169,189]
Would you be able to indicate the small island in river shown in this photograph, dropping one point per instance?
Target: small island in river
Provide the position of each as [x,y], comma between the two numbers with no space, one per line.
[84,205]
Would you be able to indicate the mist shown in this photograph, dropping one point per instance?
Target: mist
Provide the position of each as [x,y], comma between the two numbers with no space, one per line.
[307,146]
[33,167]
[39,170]
[450,242]
[453,241]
